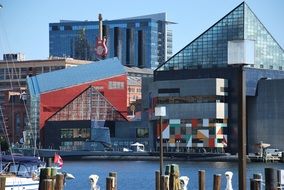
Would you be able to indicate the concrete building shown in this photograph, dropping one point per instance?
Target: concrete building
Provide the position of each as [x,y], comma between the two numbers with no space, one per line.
[13,88]
[143,41]
[200,87]
[13,57]
[134,92]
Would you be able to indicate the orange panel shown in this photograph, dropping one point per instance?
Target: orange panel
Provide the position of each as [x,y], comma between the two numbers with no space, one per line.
[212,142]
[194,123]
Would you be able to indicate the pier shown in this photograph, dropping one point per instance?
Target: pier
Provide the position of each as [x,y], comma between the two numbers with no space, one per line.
[170,180]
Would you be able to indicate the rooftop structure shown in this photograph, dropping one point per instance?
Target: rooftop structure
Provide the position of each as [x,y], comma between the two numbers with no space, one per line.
[210,49]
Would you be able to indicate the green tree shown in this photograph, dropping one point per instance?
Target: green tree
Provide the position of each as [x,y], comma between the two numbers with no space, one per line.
[82,47]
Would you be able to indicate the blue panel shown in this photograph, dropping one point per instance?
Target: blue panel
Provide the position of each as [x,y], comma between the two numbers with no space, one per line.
[75,75]
[254,75]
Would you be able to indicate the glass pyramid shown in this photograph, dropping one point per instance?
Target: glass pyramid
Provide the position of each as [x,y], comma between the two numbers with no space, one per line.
[210,49]
[89,105]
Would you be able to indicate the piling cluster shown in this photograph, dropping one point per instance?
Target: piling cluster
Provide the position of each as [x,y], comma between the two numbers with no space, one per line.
[49,179]
[171,180]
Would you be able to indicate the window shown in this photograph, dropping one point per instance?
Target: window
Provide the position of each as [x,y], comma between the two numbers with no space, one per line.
[144,24]
[2,74]
[168,90]
[224,89]
[172,131]
[115,85]
[183,130]
[142,133]
[67,27]
[75,133]
[54,28]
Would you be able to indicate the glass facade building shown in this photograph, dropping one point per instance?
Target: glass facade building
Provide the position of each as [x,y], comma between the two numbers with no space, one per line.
[143,41]
[210,49]
[238,38]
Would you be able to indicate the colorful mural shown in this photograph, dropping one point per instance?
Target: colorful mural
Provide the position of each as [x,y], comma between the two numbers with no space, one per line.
[186,133]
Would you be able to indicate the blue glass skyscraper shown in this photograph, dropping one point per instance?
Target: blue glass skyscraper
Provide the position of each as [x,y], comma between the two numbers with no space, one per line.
[143,41]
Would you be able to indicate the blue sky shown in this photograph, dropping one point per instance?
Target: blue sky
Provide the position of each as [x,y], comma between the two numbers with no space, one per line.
[24,23]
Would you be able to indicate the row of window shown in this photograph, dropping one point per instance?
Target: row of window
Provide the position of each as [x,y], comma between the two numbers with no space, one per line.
[75,133]
[70,133]
[96,26]
[130,89]
[191,99]
[184,131]
[115,85]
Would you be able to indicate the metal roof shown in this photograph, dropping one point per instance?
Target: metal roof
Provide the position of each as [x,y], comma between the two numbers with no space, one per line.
[74,76]
[134,81]
[137,70]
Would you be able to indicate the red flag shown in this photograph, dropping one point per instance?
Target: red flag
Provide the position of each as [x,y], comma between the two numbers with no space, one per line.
[58,160]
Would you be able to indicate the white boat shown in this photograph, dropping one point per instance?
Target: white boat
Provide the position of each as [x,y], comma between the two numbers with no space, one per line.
[21,183]
[21,172]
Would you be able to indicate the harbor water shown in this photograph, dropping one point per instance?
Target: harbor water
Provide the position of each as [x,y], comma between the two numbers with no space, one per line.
[140,175]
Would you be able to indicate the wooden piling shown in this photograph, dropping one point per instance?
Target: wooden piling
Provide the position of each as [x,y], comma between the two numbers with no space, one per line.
[270,178]
[47,184]
[164,182]
[2,182]
[255,184]
[114,175]
[282,157]
[59,182]
[217,182]
[257,176]
[53,172]
[110,183]
[157,179]
[201,179]
[174,183]
[45,173]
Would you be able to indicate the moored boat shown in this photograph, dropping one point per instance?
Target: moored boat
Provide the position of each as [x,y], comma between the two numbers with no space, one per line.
[20,172]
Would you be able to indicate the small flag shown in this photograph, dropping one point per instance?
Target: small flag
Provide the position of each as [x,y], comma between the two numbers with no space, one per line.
[58,160]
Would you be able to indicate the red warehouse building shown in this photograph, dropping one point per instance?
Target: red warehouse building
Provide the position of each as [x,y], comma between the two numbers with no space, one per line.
[65,96]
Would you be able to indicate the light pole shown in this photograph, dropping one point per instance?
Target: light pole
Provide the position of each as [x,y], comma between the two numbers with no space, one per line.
[241,53]
[177,145]
[167,145]
[161,112]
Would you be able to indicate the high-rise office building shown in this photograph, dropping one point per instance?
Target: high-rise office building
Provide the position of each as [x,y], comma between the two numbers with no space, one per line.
[143,41]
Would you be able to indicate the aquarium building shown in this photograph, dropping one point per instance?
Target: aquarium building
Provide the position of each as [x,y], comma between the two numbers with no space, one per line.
[200,87]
